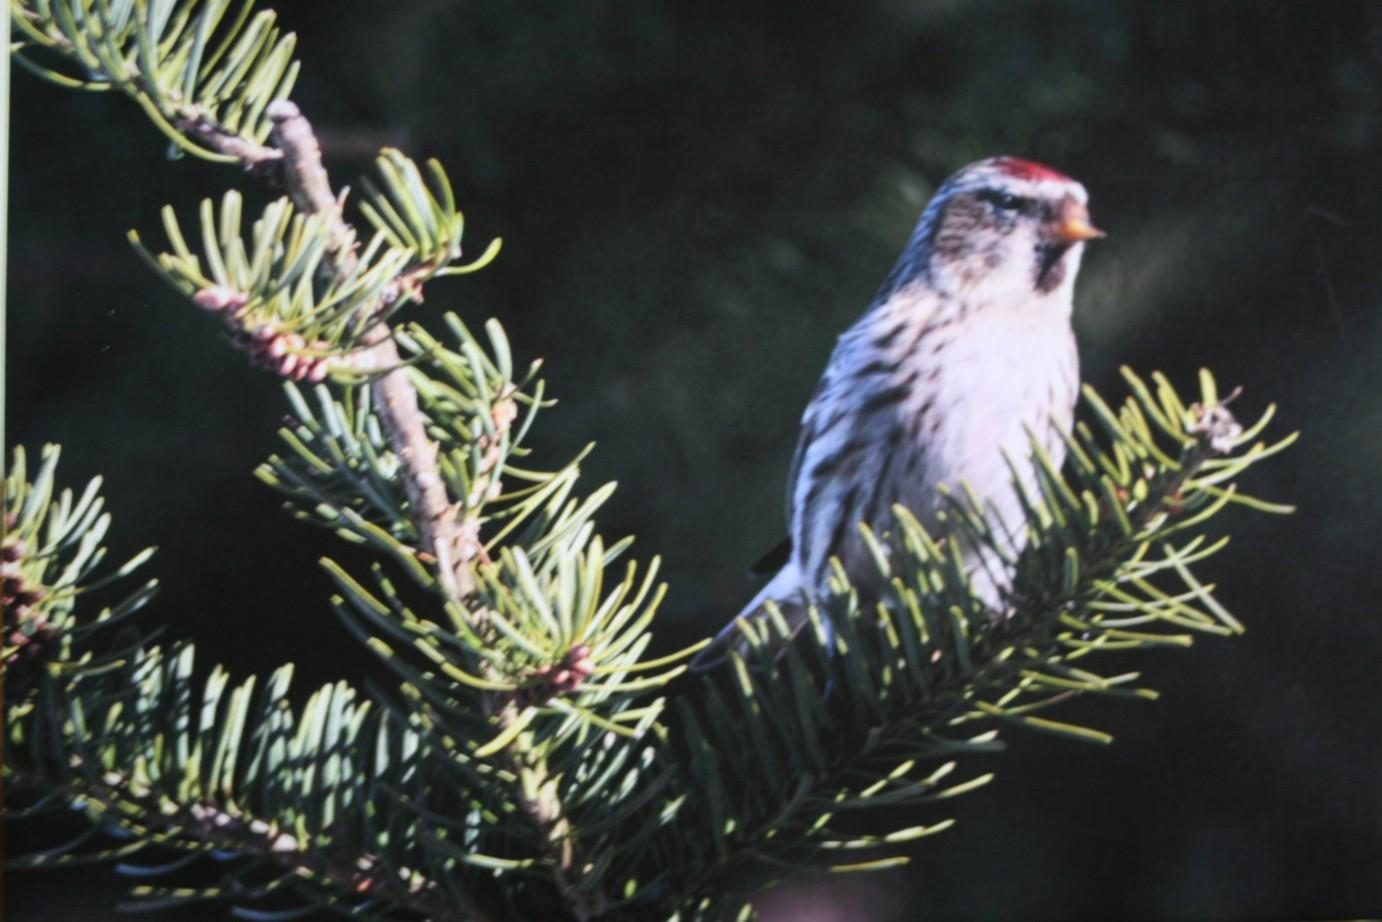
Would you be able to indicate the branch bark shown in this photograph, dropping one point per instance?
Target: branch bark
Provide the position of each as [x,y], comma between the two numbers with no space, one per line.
[444,533]
[199,125]
[434,515]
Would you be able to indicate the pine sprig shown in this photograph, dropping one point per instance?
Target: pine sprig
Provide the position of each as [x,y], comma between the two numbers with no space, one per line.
[341,469]
[300,800]
[48,561]
[538,678]
[419,217]
[856,716]
[267,290]
[298,293]
[160,761]
[383,812]
[205,72]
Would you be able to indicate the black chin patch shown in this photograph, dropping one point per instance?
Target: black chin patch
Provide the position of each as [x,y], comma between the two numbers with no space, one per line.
[1050,266]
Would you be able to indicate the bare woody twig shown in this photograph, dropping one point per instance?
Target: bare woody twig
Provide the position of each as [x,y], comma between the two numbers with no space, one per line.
[205,130]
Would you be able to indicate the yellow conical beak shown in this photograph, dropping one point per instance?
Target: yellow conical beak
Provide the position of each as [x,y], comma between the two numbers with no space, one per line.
[1072,225]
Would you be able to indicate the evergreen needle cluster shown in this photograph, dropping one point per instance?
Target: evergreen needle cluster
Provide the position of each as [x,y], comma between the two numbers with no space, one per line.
[526,762]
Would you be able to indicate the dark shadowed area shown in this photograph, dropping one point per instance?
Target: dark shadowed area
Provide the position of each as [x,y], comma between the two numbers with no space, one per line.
[695,199]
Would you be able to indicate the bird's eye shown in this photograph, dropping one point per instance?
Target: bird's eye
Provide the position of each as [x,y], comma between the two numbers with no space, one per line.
[1003,201]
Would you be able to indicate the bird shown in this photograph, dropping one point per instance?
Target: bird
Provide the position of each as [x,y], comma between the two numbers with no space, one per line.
[964,354]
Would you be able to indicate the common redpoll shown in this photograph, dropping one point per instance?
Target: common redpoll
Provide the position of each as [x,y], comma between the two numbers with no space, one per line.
[966,348]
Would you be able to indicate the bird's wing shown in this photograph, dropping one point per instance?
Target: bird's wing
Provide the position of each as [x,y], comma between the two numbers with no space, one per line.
[803,442]
[781,553]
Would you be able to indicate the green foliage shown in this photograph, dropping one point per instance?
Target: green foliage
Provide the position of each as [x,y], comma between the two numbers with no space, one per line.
[418,218]
[290,297]
[523,763]
[51,550]
[206,67]
[341,471]
[272,277]
[857,718]
[159,763]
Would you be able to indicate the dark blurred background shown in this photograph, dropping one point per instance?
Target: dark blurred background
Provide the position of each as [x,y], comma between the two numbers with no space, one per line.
[696,198]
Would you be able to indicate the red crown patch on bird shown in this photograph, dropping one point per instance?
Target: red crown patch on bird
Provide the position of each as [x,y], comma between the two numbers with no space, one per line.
[1018,168]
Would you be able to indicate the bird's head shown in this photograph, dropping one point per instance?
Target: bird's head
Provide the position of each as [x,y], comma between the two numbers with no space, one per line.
[1004,230]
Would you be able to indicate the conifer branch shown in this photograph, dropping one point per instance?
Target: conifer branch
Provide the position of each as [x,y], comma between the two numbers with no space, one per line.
[203,77]
[519,768]
[910,675]
[395,398]
[448,537]
[211,134]
[200,826]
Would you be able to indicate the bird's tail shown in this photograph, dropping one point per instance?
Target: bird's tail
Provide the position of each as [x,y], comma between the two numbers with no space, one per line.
[785,590]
